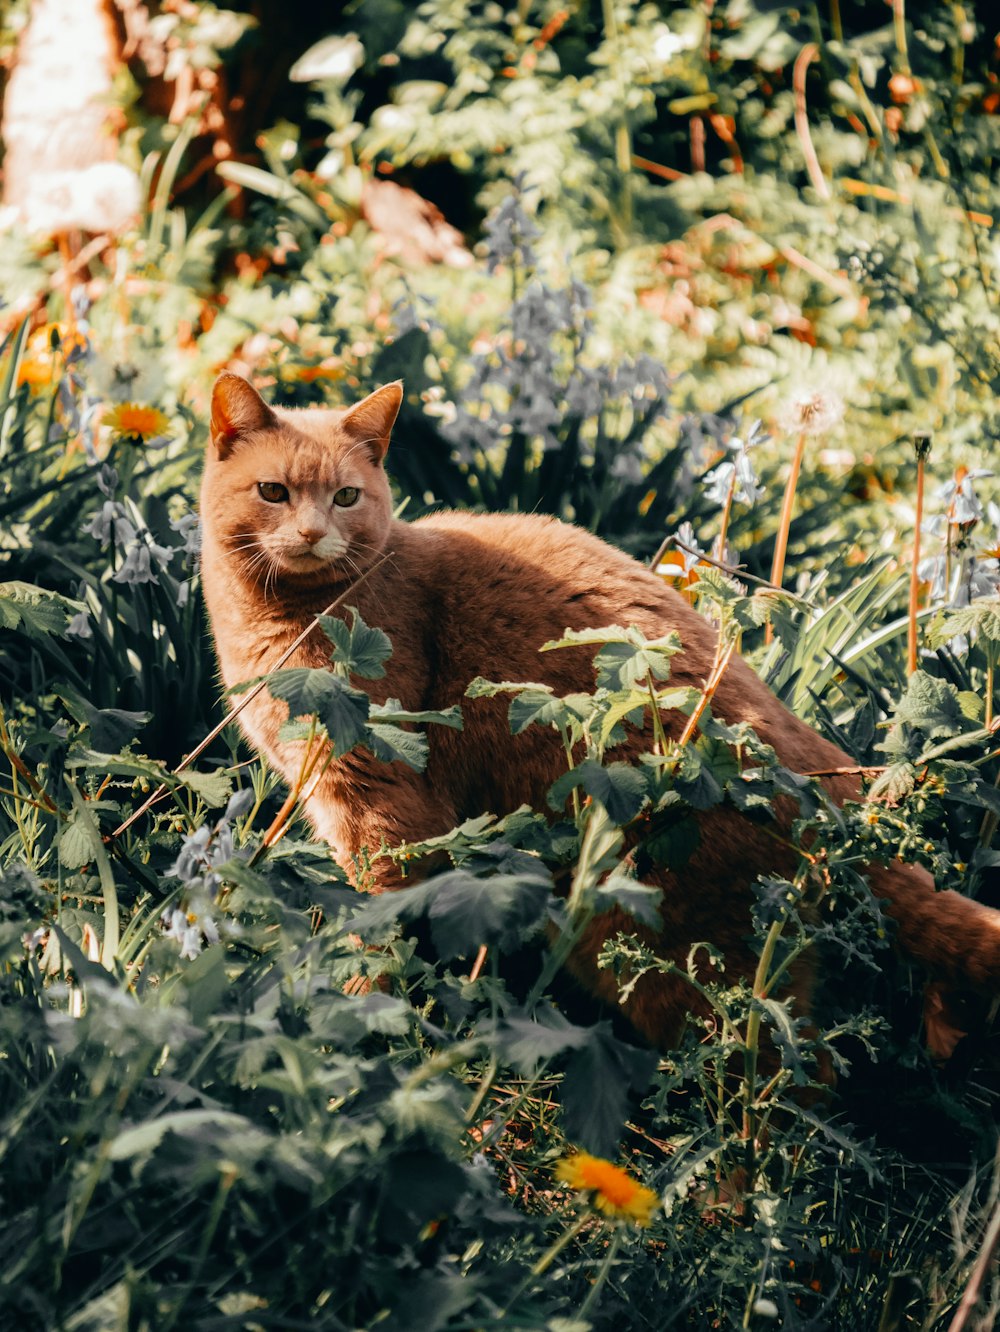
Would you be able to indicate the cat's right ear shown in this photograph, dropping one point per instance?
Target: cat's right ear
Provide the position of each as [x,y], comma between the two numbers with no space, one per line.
[237,408]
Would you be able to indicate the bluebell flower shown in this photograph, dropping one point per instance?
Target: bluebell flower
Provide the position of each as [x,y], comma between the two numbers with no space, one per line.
[79,625]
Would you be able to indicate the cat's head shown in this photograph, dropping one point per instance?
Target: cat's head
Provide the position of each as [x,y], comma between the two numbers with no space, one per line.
[297,494]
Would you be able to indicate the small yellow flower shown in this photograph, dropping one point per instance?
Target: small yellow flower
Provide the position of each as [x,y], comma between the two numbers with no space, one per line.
[36,371]
[135,423]
[615,1192]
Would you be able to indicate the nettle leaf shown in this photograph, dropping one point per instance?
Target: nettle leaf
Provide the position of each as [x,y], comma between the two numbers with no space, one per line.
[316,691]
[630,706]
[673,845]
[619,787]
[536,705]
[528,1042]
[361,649]
[34,610]
[111,729]
[500,911]
[214,788]
[626,657]
[392,742]
[76,843]
[929,706]
[980,618]
[895,784]
[393,711]
[639,900]
[464,911]
[595,1089]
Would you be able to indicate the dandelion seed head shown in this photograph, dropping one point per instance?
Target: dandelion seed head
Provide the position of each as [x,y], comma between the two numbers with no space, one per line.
[812,412]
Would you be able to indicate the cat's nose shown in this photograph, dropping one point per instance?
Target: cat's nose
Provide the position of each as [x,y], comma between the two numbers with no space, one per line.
[312,534]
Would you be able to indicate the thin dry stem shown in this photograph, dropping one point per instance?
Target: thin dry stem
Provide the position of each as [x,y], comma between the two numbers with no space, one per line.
[911,632]
[248,697]
[803,60]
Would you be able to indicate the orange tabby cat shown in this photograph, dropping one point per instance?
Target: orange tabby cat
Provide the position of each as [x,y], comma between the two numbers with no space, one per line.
[296,503]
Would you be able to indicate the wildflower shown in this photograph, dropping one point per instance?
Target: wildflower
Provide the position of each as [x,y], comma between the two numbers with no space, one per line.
[739,475]
[812,412]
[138,566]
[191,943]
[110,525]
[615,1192]
[79,625]
[509,233]
[681,562]
[963,504]
[136,424]
[188,525]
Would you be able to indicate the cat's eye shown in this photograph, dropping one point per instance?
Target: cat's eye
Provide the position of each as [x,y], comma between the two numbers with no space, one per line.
[272,491]
[346,496]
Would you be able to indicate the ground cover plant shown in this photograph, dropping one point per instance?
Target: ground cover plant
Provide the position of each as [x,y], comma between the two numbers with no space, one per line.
[723,288]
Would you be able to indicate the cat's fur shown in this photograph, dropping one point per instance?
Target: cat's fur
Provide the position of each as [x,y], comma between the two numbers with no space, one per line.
[471,594]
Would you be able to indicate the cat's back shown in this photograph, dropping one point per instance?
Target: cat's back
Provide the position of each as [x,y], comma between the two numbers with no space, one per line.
[528,577]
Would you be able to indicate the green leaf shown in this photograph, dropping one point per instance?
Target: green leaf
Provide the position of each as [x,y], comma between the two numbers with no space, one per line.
[930,707]
[619,787]
[393,711]
[627,656]
[361,649]
[111,729]
[76,847]
[639,900]
[390,743]
[595,1090]
[214,788]
[34,610]
[980,618]
[527,1042]
[143,1139]
[499,911]
[312,691]
[673,846]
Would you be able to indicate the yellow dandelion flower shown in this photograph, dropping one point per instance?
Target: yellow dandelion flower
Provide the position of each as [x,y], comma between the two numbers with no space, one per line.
[135,423]
[36,371]
[615,1192]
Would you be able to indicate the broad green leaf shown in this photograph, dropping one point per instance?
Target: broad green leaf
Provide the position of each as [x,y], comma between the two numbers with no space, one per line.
[34,610]
[639,900]
[393,711]
[111,729]
[315,691]
[930,707]
[620,787]
[392,742]
[144,1138]
[214,788]
[500,910]
[76,847]
[359,648]
[627,656]
[595,1090]
[981,617]
[527,1042]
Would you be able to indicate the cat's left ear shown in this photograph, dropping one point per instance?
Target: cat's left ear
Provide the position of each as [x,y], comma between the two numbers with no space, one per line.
[237,409]
[371,420]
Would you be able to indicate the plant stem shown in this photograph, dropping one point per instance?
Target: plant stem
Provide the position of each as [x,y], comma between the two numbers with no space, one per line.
[603,1274]
[911,639]
[785,521]
[552,1253]
[623,135]
[727,508]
